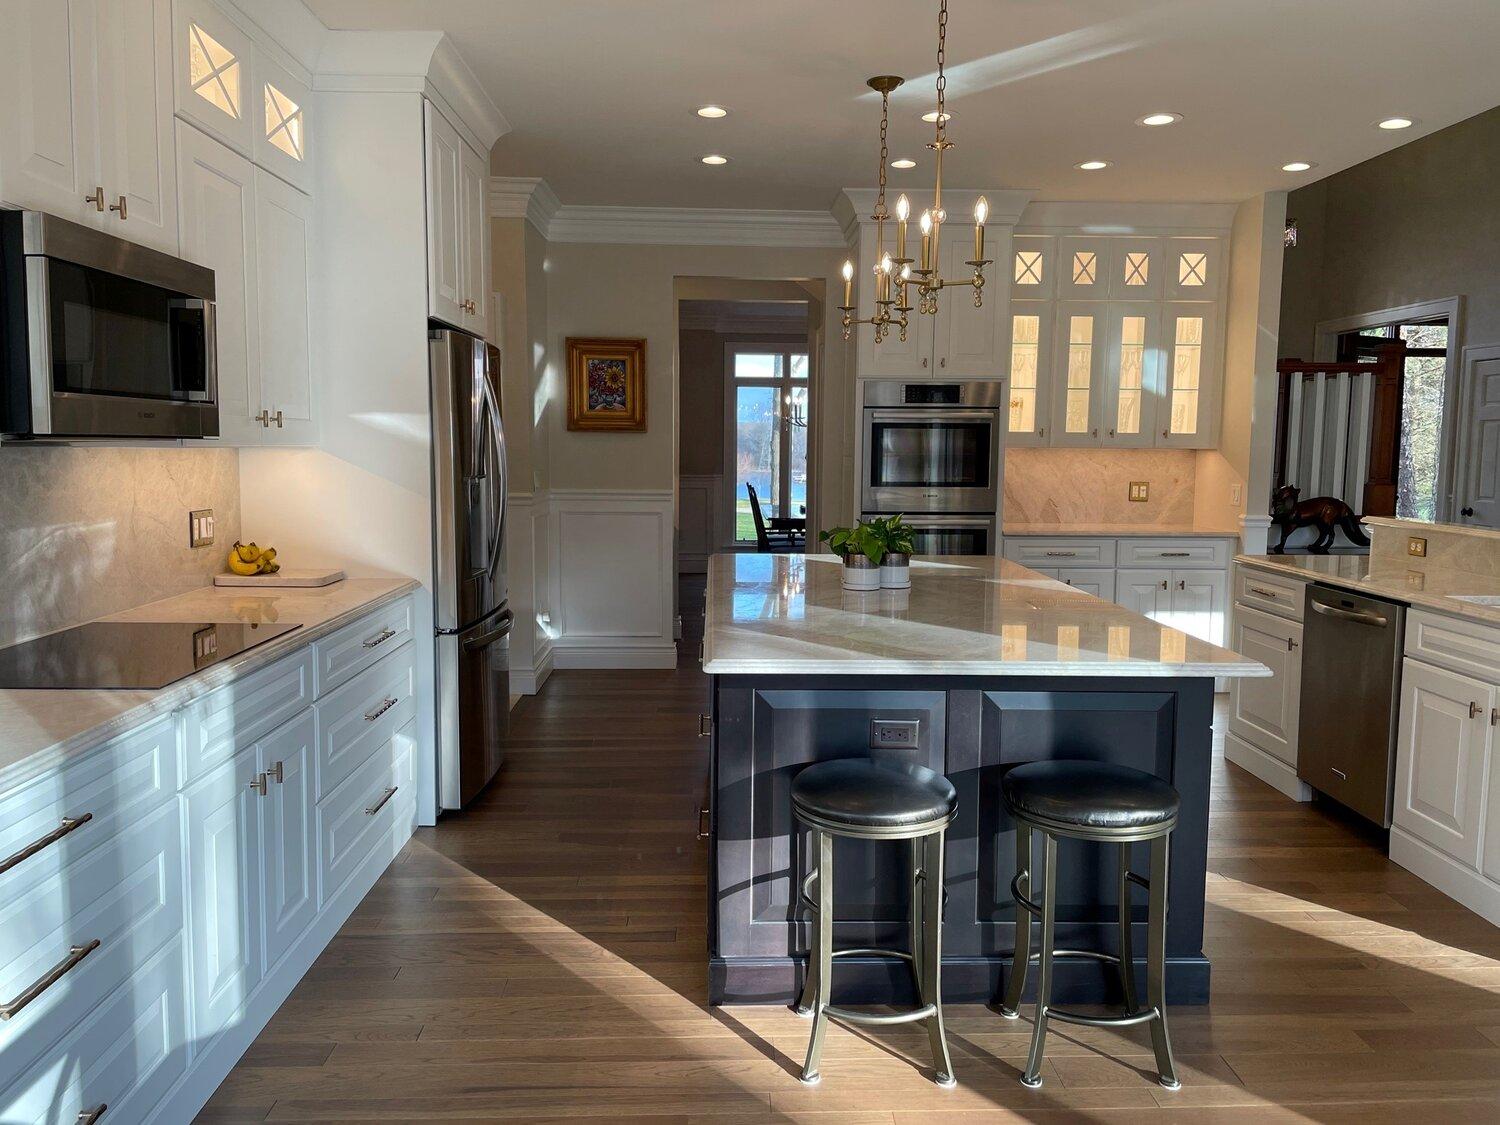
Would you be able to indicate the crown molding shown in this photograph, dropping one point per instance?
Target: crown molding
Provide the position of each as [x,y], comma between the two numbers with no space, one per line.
[1006,204]
[1126,218]
[726,324]
[523,197]
[695,226]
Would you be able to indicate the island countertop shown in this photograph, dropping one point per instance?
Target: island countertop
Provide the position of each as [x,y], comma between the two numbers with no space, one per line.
[963,616]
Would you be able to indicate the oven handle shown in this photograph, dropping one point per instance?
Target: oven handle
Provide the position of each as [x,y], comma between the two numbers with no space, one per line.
[920,523]
[934,415]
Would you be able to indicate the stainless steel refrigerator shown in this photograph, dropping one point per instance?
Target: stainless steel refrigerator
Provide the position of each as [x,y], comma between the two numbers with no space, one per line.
[470,612]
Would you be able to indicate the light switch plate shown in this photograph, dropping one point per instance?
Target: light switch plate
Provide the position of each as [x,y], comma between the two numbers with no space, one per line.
[1140,491]
[201,528]
[1416,546]
[1236,491]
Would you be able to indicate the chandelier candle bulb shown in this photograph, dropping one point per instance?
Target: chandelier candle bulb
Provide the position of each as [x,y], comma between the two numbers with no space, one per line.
[926,225]
[848,284]
[981,213]
[903,212]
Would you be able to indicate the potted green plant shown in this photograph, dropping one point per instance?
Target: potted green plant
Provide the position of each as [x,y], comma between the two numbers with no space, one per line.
[900,541]
[862,548]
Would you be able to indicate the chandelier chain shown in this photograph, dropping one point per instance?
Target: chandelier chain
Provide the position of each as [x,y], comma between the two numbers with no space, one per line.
[942,55]
[885,109]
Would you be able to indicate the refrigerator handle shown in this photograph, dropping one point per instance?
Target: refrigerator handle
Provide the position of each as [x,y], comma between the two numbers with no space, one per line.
[497,431]
[484,640]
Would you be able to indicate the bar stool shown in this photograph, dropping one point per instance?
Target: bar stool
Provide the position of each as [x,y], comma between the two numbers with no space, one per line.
[1109,804]
[865,800]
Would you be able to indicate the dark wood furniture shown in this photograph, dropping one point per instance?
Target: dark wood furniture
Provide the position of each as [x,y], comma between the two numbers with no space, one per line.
[780,534]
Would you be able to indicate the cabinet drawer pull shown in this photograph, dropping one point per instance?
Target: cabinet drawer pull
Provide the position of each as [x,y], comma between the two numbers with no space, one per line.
[1342,775]
[380,804]
[89,1116]
[69,824]
[703,823]
[1062,554]
[1263,593]
[51,977]
[380,638]
[1175,554]
[385,705]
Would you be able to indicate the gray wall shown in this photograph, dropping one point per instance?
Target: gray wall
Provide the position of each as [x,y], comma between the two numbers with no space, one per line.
[1416,224]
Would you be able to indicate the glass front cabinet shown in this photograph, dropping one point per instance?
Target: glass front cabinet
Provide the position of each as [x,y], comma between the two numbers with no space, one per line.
[1116,340]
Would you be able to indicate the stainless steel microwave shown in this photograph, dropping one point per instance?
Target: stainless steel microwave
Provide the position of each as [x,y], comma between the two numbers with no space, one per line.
[102,338]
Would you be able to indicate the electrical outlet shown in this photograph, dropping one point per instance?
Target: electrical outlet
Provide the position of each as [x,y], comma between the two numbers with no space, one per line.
[1236,494]
[1416,546]
[1140,491]
[201,528]
[900,734]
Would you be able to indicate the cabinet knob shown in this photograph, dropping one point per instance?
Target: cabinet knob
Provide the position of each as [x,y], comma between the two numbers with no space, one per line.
[278,420]
[97,199]
[924,361]
[1475,710]
[277,773]
[264,418]
[258,785]
[1163,583]
[120,207]
[1291,643]
[1096,432]
[943,362]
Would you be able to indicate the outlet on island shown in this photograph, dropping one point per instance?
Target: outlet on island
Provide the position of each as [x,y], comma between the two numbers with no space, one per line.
[894,734]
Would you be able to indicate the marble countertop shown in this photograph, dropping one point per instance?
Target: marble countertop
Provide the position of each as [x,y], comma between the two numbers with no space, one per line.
[1429,589]
[41,729]
[1118,530]
[963,616]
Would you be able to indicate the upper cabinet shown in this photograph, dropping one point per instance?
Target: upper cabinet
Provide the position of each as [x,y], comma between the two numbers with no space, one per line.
[88,134]
[457,234]
[282,113]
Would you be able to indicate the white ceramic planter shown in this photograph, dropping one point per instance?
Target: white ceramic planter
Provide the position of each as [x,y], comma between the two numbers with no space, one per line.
[860,573]
[895,572]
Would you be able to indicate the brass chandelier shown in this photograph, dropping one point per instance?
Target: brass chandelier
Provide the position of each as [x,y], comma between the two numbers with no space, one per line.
[896,273]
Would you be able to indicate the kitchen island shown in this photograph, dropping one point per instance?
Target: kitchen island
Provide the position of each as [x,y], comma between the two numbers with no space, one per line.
[980,666]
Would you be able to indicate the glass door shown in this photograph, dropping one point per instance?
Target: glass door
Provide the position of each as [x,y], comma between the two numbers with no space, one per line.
[768,407]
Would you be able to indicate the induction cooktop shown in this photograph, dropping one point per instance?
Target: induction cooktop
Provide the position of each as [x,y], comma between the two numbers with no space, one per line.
[123,655]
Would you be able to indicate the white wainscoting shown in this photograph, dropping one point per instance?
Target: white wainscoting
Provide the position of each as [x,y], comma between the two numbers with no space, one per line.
[700,501]
[612,578]
[526,544]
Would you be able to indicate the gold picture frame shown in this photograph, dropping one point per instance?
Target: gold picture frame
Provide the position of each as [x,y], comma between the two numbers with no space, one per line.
[606,384]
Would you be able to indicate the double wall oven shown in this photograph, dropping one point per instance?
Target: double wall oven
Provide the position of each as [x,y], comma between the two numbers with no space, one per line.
[932,452]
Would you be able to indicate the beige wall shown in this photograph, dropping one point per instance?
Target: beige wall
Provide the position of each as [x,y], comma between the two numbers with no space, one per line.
[87,532]
[1418,223]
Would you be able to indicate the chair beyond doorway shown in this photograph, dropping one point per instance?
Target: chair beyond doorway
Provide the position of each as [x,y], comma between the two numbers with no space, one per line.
[784,535]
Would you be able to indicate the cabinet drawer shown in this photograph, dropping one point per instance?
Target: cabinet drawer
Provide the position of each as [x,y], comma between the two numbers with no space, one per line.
[357,814]
[116,785]
[1174,552]
[357,719]
[1273,594]
[1061,552]
[126,1055]
[351,650]
[126,895]
[224,722]
[1464,646]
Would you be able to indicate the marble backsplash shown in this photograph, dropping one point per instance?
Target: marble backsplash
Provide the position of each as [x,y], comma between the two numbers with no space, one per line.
[1092,485]
[1452,549]
[90,531]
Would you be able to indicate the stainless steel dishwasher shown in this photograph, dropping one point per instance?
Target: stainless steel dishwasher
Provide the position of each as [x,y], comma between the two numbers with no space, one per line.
[1351,689]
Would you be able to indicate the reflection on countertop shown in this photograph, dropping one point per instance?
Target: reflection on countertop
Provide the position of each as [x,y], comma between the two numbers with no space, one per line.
[964,615]
[1386,576]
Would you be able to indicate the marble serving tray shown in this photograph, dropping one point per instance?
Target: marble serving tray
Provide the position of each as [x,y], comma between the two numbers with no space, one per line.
[283,577]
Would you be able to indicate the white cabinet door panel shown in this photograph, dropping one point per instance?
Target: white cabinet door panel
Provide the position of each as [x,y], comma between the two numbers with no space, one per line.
[283,222]
[48,143]
[213,73]
[1099,583]
[291,890]
[444,219]
[966,341]
[1147,592]
[1264,711]
[474,175]
[1131,374]
[1440,758]
[1198,604]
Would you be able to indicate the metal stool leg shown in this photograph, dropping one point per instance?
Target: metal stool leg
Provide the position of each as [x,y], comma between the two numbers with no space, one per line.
[1127,957]
[918,864]
[806,1001]
[1033,1075]
[823,952]
[1156,964]
[932,955]
[1021,961]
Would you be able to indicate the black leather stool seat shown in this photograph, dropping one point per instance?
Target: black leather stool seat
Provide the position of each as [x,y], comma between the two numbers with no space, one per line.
[1094,795]
[866,794]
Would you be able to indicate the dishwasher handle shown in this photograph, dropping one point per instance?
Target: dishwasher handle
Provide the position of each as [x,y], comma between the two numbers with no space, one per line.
[1359,616]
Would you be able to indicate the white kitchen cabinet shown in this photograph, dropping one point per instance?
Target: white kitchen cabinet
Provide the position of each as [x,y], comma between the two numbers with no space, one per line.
[1029,409]
[1078,363]
[1442,750]
[286,815]
[966,340]
[1131,374]
[1194,268]
[213,65]
[1098,582]
[1263,711]
[1032,270]
[474,242]
[1192,601]
[1188,416]
[1082,267]
[1134,269]
[224,850]
[283,122]
[1147,592]
[88,133]
[445,219]
[283,383]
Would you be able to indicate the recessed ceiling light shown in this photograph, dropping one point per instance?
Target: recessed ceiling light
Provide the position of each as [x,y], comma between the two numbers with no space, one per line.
[1092,165]
[715,158]
[1396,123]
[1162,118]
[1298,166]
[712,111]
[931,116]
[904,162]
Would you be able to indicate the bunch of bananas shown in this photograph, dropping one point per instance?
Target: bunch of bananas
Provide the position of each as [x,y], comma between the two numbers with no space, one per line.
[247,558]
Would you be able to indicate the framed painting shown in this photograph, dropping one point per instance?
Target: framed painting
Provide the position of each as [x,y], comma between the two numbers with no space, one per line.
[606,384]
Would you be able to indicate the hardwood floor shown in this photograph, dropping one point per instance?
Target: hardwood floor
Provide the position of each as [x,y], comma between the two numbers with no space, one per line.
[542,956]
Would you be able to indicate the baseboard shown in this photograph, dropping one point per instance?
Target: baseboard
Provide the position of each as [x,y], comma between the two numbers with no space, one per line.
[1455,879]
[614,656]
[1267,767]
[529,681]
[211,1063]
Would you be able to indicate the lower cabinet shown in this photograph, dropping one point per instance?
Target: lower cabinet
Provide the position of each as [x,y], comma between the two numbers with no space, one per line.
[1263,711]
[182,914]
[1098,581]
[1193,601]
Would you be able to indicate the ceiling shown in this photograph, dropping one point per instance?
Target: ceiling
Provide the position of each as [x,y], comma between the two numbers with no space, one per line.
[601,93]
